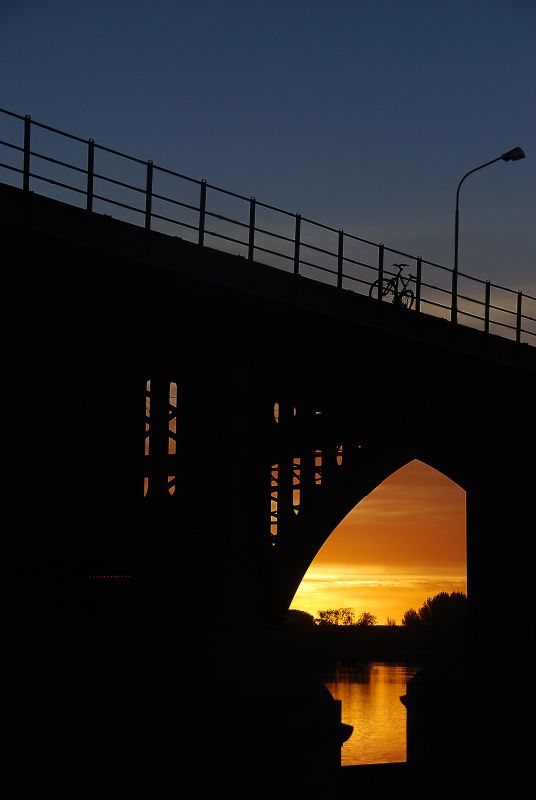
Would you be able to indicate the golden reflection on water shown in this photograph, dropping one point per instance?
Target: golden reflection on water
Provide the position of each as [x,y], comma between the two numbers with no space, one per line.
[370,697]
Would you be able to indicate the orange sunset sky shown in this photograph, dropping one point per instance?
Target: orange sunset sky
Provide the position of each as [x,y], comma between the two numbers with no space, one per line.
[401,544]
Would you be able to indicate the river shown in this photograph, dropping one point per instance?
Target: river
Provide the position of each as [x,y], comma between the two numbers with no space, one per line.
[370,699]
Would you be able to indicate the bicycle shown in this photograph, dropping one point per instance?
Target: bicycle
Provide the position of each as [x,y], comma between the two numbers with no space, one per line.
[397,286]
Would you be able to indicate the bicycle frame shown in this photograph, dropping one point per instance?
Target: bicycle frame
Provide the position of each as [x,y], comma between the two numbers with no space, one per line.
[399,279]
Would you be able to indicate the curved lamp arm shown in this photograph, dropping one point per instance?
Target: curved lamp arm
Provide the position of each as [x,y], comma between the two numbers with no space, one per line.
[515,154]
[511,155]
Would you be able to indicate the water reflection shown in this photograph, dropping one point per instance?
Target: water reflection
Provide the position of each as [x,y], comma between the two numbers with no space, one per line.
[370,695]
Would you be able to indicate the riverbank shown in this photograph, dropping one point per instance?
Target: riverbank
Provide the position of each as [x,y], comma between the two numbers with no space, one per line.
[324,647]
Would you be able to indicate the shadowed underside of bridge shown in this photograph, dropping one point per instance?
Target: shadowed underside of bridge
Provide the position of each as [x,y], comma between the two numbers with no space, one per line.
[273,404]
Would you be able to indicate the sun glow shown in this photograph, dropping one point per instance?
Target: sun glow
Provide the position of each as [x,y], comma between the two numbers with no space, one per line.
[384,592]
[403,543]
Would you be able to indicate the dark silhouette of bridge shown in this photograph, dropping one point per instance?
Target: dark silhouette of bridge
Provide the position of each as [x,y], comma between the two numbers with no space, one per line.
[274,403]
[104,179]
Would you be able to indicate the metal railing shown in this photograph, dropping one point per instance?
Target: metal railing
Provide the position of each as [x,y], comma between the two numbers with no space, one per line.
[163,199]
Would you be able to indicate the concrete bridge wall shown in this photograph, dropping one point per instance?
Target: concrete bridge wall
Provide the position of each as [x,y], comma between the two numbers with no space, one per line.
[334,390]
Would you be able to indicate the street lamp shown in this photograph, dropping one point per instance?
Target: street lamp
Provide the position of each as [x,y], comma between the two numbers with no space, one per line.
[511,155]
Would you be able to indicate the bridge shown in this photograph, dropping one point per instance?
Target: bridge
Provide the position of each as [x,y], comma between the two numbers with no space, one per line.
[186,426]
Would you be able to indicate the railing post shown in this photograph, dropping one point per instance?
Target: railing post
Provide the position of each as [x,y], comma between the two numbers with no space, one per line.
[487,307]
[26,164]
[148,195]
[340,259]
[202,211]
[454,297]
[418,281]
[519,318]
[90,171]
[297,245]
[381,249]
[251,239]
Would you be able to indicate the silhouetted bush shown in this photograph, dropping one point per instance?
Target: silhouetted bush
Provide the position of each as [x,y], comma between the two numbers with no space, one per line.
[296,620]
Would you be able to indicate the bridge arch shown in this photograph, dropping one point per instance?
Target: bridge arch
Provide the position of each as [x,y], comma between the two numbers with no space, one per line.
[350,495]
[413,521]
[473,452]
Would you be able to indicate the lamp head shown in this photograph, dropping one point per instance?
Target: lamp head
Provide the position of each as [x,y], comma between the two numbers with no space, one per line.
[513,155]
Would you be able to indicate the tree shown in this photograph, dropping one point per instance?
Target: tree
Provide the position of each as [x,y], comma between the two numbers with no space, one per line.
[391,623]
[411,618]
[336,616]
[366,619]
[443,611]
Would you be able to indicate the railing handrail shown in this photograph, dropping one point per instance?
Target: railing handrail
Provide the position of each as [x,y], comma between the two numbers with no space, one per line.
[252,245]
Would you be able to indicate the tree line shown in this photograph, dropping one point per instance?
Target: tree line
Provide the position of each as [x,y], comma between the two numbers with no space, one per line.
[442,611]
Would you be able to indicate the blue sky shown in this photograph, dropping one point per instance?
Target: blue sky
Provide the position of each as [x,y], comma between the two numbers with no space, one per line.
[363,115]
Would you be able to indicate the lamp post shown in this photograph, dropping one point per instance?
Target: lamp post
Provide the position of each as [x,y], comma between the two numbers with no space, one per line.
[511,155]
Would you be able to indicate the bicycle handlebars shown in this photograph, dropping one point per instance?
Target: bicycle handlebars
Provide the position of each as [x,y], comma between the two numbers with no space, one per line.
[410,277]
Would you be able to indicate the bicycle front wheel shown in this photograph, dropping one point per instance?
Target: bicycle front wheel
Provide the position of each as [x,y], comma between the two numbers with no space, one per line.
[407,298]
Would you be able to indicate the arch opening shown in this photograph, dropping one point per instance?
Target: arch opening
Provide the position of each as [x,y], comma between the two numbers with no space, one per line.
[401,545]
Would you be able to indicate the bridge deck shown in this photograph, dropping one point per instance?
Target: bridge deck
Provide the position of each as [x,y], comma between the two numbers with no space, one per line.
[170,262]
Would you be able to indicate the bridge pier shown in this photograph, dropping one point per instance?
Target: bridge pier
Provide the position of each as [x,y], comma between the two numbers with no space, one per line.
[500,514]
[469,708]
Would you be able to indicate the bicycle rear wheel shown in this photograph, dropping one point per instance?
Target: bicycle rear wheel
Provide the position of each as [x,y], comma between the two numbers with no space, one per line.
[386,286]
